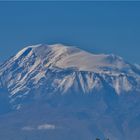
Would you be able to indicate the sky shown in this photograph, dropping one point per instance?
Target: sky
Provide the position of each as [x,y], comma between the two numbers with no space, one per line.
[98,27]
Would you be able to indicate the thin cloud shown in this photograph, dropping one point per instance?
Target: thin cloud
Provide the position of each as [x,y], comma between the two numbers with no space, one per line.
[39,127]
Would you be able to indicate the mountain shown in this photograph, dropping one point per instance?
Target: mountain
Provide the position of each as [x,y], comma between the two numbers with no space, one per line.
[78,94]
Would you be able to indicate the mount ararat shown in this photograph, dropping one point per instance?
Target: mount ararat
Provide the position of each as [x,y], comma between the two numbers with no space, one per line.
[78,95]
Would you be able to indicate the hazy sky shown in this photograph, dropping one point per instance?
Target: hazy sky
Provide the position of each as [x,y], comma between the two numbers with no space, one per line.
[100,27]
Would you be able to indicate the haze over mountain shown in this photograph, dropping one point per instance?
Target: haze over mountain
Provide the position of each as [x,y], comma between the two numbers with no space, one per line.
[77,94]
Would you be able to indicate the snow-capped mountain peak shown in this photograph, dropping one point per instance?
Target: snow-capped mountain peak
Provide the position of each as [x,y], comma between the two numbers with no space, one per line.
[63,69]
[66,57]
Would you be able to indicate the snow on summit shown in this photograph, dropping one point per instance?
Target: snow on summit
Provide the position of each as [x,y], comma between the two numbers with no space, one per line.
[66,86]
[68,56]
[64,69]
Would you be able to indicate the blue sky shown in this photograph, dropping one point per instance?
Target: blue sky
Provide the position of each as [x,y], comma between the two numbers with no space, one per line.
[100,27]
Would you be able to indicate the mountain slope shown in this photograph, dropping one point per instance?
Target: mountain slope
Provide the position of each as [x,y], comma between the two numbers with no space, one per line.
[61,92]
[44,70]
